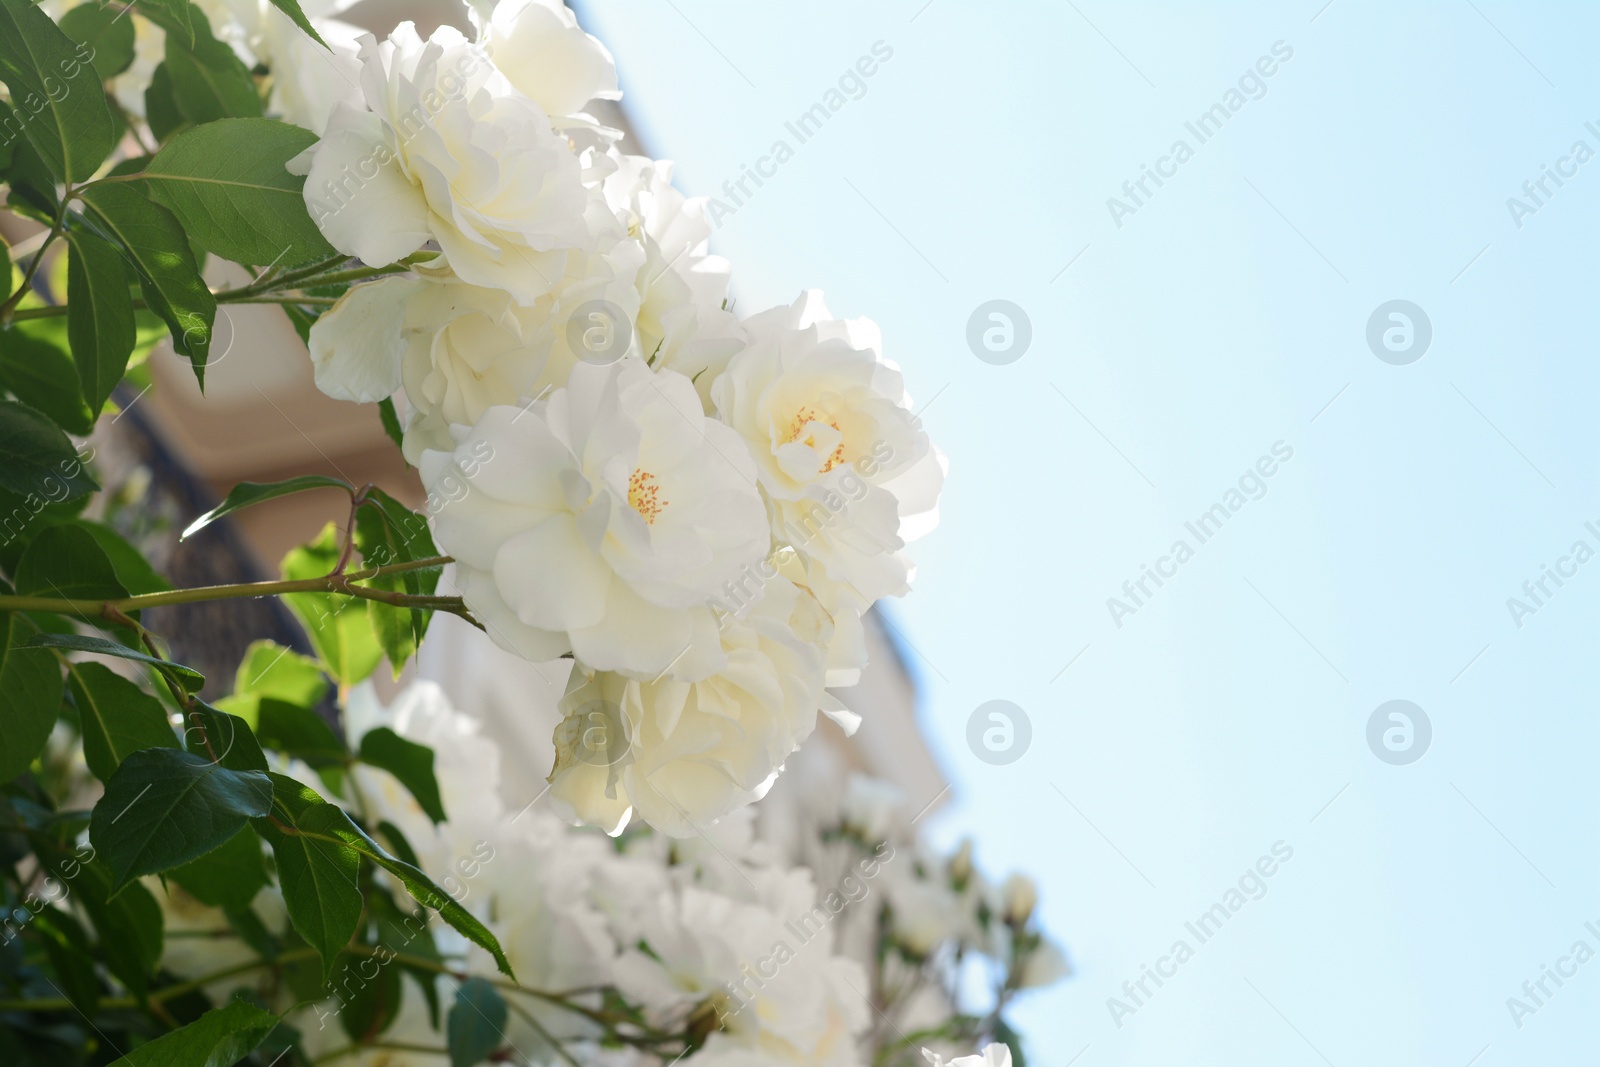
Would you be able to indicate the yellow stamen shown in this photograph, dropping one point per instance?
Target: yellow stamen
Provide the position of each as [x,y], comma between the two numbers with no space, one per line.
[803,418]
[644,496]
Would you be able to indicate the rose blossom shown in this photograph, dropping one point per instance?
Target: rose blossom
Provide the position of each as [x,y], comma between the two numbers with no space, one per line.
[682,754]
[848,472]
[602,522]
[447,152]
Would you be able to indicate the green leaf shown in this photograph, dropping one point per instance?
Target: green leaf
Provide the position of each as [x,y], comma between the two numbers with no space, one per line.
[337,625]
[219,1038]
[398,843]
[315,820]
[161,105]
[71,957]
[37,458]
[5,156]
[100,322]
[409,762]
[190,679]
[298,731]
[30,695]
[208,80]
[408,934]
[477,1023]
[22,519]
[168,274]
[270,670]
[292,9]
[51,75]
[129,924]
[108,35]
[228,876]
[117,717]
[331,821]
[222,738]
[164,807]
[133,571]
[391,422]
[33,188]
[66,562]
[173,16]
[369,1003]
[42,376]
[318,876]
[251,930]
[226,182]
[247,493]
[388,532]
[302,319]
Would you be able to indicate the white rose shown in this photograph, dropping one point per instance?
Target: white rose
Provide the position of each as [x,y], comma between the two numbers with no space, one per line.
[535,894]
[794,1004]
[600,521]
[923,913]
[460,349]
[848,471]
[682,321]
[681,754]
[308,80]
[539,47]
[994,1055]
[469,349]
[466,765]
[1020,896]
[847,652]
[447,152]
[871,807]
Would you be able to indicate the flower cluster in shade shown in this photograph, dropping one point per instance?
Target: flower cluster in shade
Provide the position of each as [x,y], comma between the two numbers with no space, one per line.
[696,509]
[779,942]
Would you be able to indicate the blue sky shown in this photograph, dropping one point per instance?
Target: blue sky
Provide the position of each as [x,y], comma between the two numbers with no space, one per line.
[1174,347]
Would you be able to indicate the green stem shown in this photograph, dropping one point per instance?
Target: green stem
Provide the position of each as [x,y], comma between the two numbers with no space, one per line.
[331,583]
[604,1018]
[320,274]
[42,313]
[166,993]
[397,1046]
[357,274]
[8,309]
[289,277]
[224,297]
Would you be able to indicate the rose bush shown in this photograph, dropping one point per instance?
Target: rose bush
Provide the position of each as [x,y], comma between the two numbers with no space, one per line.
[689,511]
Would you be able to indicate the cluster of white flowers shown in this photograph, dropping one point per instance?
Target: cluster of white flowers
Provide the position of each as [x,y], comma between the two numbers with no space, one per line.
[766,955]
[726,936]
[696,509]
